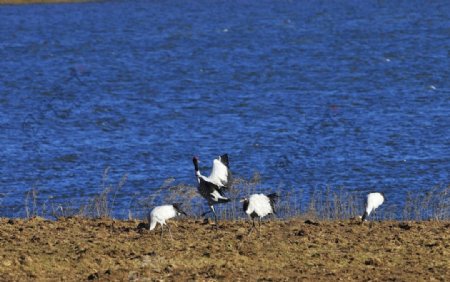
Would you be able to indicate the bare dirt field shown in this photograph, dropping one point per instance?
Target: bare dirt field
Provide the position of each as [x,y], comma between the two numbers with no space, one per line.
[294,249]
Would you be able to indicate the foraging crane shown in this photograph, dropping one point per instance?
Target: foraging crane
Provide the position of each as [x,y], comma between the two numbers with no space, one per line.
[259,205]
[212,187]
[160,214]
[373,201]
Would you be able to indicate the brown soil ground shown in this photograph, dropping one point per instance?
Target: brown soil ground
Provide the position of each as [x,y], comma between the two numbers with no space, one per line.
[295,249]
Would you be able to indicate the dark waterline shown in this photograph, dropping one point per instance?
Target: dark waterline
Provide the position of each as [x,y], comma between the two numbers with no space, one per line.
[309,94]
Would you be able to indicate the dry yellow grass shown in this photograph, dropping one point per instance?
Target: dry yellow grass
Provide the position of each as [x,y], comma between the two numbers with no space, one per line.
[77,249]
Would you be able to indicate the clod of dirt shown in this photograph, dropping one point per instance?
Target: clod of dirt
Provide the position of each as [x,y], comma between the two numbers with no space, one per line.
[168,268]
[25,260]
[93,276]
[372,261]
[431,245]
[141,226]
[404,226]
[300,233]
[312,222]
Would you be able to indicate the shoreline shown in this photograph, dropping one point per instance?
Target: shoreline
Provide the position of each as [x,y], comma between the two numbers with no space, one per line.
[107,249]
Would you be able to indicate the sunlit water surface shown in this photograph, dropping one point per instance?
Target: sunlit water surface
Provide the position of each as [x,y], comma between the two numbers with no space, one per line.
[347,94]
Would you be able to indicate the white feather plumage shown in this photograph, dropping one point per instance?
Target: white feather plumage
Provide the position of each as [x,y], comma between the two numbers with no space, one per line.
[216,196]
[160,214]
[373,201]
[219,174]
[259,204]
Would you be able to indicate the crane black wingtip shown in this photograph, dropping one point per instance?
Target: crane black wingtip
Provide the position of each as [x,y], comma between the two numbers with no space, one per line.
[221,201]
[273,196]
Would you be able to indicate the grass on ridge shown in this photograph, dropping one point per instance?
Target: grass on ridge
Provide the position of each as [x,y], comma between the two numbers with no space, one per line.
[328,204]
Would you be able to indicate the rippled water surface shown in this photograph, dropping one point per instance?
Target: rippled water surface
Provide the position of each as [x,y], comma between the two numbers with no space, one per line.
[307,93]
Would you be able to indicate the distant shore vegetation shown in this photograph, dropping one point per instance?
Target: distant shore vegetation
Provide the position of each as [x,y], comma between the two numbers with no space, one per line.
[321,204]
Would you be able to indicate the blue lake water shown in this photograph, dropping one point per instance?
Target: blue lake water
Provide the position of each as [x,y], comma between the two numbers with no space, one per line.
[309,94]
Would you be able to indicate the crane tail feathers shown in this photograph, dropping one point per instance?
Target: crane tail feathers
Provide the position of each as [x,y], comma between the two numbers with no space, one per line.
[273,199]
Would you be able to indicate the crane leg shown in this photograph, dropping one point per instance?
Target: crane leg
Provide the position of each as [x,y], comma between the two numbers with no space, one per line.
[215,215]
[170,232]
[253,227]
[259,225]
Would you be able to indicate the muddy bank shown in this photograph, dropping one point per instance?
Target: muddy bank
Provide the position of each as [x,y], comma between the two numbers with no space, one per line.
[81,249]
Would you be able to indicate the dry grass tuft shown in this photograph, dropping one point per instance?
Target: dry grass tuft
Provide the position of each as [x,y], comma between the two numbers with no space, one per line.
[321,204]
